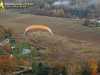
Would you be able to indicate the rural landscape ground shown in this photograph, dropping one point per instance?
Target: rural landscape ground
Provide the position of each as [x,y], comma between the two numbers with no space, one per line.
[70,37]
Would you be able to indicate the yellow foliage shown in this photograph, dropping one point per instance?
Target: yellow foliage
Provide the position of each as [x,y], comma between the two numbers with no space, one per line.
[59,64]
[73,68]
[17,46]
[32,48]
[21,61]
[79,68]
[71,61]
[93,65]
[7,63]
[50,72]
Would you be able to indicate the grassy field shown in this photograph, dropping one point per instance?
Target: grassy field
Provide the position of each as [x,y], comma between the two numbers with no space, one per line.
[70,37]
[11,11]
[64,27]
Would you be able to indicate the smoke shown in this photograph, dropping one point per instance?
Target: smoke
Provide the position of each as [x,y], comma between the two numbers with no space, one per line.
[81,5]
[64,3]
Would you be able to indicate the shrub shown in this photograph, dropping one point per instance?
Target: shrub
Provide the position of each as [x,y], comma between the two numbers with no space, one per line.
[50,72]
[97,24]
[63,71]
[86,22]
[85,72]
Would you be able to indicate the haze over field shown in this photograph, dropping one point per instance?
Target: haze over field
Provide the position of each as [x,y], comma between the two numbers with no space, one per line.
[78,4]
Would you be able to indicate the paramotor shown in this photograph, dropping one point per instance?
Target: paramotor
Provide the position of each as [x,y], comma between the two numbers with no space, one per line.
[38,27]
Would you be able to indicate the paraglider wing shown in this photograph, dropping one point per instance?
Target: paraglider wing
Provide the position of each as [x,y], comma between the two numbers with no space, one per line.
[38,27]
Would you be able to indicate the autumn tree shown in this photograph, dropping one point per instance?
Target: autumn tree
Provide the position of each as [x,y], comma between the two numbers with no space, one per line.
[60,65]
[67,15]
[21,62]
[2,27]
[32,48]
[50,72]
[86,22]
[72,66]
[91,16]
[54,12]
[57,13]
[8,63]
[31,38]
[11,32]
[94,73]
[2,31]
[93,67]
[6,48]
[46,6]
[60,13]
[44,12]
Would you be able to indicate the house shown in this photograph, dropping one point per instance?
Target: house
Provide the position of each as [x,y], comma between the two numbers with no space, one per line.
[98,20]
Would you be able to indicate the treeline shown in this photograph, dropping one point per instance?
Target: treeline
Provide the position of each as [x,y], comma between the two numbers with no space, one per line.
[58,11]
[45,8]
[71,9]
[62,68]
[46,12]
